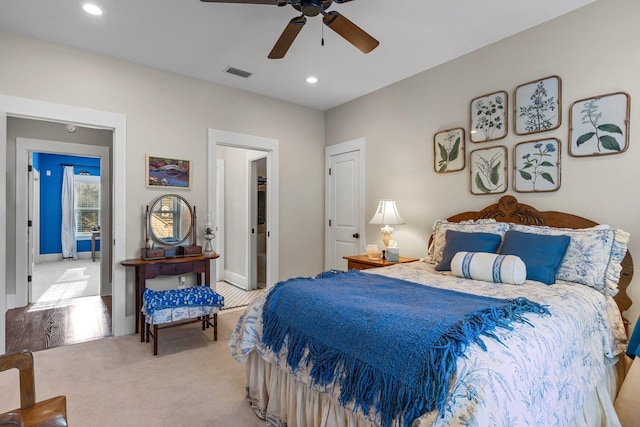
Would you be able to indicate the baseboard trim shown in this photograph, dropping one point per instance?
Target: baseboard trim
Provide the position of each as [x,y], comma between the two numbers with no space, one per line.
[58,257]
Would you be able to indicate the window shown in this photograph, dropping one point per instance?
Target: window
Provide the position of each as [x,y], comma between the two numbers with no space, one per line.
[87,203]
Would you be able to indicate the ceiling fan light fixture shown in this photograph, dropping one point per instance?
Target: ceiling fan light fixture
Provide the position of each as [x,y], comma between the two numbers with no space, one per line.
[92,9]
[334,20]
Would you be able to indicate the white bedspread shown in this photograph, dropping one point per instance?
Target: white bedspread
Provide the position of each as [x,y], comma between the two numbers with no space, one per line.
[540,377]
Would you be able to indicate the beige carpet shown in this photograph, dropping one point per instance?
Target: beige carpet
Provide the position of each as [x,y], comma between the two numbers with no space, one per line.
[192,382]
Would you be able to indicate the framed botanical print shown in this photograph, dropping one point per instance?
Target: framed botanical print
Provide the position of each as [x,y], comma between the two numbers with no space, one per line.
[537,106]
[488,170]
[536,166]
[488,120]
[599,125]
[448,150]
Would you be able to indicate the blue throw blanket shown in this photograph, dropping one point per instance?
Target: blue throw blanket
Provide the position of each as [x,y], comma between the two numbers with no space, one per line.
[389,343]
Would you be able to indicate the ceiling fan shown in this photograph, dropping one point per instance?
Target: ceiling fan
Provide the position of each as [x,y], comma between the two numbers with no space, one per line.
[337,22]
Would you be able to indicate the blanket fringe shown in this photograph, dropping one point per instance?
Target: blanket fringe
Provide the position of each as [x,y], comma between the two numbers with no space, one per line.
[365,386]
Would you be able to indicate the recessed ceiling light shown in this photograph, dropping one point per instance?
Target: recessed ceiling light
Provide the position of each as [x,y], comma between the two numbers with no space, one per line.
[92,9]
[312,80]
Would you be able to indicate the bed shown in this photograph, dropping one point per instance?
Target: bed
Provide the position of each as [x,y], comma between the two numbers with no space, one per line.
[555,364]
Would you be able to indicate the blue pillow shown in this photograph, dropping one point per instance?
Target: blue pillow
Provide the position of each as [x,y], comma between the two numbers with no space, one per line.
[542,254]
[459,241]
[633,349]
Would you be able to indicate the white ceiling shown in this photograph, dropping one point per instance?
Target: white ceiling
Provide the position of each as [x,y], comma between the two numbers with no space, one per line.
[202,39]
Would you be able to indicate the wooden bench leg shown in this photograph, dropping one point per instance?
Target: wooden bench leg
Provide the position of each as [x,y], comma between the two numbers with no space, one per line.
[206,323]
[215,326]
[155,340]
[141,327]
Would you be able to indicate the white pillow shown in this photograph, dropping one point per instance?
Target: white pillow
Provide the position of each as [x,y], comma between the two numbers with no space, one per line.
[489,267]
[593,256]
[440,227]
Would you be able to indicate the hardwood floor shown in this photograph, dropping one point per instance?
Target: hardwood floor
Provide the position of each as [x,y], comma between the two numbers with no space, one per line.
[37,327]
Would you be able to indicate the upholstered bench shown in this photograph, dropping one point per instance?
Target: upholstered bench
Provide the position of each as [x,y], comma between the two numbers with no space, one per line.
[175,307]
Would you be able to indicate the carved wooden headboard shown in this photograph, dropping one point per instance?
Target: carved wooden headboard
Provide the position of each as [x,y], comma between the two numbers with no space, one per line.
[508,209]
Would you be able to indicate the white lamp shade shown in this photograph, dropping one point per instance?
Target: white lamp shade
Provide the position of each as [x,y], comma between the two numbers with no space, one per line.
[387,213]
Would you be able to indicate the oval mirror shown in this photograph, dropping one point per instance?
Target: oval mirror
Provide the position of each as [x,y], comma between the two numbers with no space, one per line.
[170,220]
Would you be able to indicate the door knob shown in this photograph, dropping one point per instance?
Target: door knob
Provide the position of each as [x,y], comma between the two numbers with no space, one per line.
[356,235]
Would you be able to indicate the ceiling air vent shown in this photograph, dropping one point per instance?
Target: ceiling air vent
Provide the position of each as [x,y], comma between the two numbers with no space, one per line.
[238,72]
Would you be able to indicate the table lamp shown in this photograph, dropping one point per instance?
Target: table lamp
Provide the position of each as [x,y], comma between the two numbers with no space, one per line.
[387,214]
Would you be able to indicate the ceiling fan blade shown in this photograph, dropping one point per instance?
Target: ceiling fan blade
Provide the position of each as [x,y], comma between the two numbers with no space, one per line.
[287,37]
[350,31]
[242,1]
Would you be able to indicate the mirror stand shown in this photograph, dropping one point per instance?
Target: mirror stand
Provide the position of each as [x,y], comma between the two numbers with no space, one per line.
[169,222]
[193,248]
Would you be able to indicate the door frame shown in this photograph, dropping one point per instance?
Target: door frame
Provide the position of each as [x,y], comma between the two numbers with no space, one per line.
[218,219]
[25,147]
[270,146]
[252,192]
[358,145]
[36,109]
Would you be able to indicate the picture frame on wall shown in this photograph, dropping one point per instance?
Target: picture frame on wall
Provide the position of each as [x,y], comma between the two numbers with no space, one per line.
[488,170]
[163,172]
[536,166]
[599,126]
[488,117]
[537,106]
[449,150]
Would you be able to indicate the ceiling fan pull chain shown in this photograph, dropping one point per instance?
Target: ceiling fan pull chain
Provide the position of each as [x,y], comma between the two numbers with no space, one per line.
[322,29]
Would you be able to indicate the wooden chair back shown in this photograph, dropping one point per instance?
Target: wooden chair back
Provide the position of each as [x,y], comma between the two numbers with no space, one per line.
[47,413]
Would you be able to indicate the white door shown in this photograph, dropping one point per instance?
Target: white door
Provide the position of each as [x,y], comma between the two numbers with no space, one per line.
[33,224]
[257,224]
[345,203]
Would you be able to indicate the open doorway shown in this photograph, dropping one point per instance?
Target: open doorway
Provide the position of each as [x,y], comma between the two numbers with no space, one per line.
[61,297]
[58,271]
[17,107]
[251,164]
[242,217]
[258,185]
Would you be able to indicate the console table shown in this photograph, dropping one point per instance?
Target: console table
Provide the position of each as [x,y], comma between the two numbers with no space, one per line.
[363,262]
[150,268]
[95,235]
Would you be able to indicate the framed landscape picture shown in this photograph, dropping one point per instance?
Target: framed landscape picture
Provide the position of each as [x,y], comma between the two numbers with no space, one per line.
[537,106]
[599,126]
[536,166]
[168,173]
[448,150]
[488,170]
[488,120]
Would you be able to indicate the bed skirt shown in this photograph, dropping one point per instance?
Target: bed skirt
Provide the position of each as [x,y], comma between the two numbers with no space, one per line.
[269,391]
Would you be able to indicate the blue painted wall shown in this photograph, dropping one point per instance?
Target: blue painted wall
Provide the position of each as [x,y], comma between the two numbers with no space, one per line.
[51,194]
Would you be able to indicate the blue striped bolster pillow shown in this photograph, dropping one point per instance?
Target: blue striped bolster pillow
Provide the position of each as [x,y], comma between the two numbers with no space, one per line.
[489,267]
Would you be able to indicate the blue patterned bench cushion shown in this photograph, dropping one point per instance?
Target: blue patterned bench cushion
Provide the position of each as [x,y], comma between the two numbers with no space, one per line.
[180,304]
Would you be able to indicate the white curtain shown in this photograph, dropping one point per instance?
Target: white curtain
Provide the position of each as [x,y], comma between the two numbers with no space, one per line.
[68,234]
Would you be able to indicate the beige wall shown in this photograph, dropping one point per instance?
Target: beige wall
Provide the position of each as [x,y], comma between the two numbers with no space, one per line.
[168,115]
[593,50]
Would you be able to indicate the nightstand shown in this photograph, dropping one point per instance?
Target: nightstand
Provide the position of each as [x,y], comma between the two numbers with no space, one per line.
[363,262]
